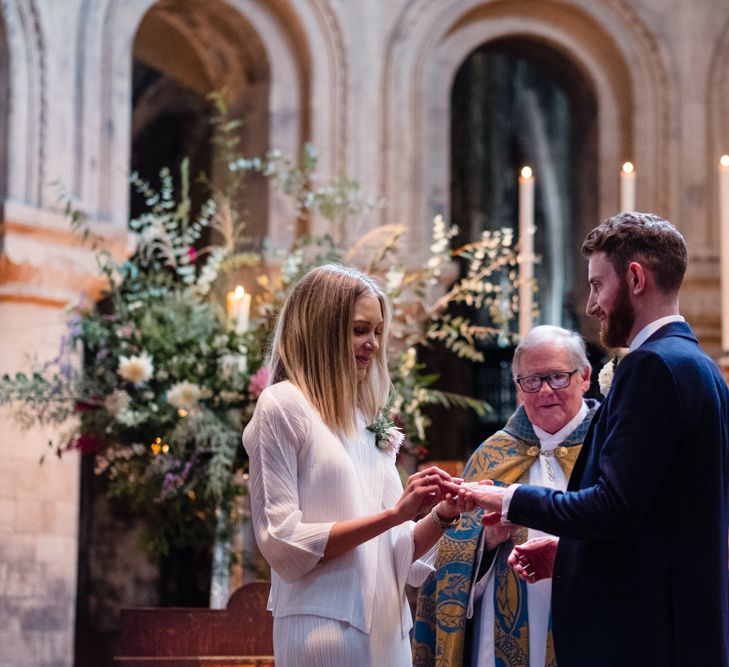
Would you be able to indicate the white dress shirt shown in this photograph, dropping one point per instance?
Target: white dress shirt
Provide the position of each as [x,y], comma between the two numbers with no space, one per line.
[647,331]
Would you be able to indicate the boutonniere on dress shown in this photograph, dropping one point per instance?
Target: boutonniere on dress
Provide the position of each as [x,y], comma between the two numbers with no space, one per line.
[387,436]
[605,378]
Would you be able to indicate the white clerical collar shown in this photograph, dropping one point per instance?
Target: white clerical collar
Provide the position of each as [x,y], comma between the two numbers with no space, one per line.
[551,440]
[647,331]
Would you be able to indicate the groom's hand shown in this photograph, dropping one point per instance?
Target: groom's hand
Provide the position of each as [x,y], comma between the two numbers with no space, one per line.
[534,560]
[485,494]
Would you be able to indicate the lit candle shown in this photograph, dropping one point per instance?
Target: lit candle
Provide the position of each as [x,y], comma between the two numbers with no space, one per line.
[239,309]
[526,247]
[724,249]
[627,187]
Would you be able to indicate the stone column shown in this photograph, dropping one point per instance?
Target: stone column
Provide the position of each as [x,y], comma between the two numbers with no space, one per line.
[43,267]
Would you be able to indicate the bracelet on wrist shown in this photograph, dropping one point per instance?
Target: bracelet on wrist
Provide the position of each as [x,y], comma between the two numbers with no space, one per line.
[441,522]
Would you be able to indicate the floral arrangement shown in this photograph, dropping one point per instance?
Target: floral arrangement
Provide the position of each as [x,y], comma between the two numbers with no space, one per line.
[156,381]
[605,377]
[166,383]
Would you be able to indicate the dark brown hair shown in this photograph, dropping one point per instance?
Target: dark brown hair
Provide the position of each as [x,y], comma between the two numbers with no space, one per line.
[641,237]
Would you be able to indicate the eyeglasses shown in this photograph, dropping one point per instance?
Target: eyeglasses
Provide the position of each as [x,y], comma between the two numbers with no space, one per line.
[531,384]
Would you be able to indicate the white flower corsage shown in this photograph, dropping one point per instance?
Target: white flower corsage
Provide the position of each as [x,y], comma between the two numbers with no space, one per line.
[605,378]
[388,437]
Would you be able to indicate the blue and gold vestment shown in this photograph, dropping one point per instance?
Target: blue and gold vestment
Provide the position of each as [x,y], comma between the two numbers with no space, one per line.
[440,623]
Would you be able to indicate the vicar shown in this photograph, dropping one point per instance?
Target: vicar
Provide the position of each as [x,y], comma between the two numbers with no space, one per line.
[472,611]
[640,568]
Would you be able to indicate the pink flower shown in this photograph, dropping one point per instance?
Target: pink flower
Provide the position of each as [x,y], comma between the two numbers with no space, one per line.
[192,253]
[125,331]
[392,441]
[259,381]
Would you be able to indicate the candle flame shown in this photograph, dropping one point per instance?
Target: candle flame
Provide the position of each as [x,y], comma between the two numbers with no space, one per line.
[628,168]
[724,161]
[526,172]
[239,292]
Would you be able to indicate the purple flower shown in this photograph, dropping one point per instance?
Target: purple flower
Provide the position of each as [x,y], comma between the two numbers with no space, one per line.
[75,327]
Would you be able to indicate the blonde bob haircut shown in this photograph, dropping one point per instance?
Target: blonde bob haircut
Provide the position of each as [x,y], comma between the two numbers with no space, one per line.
[312,346]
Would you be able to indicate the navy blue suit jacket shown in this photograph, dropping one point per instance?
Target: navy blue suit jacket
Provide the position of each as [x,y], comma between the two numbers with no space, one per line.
[640,576]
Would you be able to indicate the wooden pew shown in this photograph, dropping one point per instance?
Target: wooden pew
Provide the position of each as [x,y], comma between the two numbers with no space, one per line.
[239,636]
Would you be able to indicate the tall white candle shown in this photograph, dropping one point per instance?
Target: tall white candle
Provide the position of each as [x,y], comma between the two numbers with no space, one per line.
[724,249]
[627,187]
[526,245]
[239,309]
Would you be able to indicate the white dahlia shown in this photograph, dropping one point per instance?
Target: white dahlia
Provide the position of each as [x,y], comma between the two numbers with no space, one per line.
[136,369]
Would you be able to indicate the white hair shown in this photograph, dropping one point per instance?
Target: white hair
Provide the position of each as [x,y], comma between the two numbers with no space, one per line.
[548,334]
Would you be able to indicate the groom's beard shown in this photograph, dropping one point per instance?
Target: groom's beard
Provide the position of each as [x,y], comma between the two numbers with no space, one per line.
[619,322]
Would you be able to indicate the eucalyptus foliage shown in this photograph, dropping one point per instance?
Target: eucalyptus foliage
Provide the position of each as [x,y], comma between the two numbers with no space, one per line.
[156,384]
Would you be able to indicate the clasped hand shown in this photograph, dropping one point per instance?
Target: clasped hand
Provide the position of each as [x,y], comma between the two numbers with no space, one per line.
[486,495]
[531,561]
[430,487]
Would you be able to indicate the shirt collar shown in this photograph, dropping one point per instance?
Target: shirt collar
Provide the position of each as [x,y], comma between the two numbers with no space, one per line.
[647,331]
[555,438]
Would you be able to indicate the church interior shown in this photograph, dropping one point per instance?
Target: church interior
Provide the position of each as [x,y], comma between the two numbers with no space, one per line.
[426,108]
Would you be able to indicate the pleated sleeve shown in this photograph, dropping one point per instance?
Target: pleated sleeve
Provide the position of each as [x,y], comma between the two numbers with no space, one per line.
[407,570]
[276,440]
[423,566]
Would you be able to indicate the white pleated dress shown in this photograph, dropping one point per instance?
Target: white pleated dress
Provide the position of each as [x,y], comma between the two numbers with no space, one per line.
[351,610]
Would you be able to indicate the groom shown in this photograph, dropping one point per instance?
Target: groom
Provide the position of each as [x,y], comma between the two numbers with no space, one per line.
[640,570]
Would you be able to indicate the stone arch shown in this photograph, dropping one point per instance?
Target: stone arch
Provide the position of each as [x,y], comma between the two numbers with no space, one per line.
[23,125]
[718,139]
[607,43]
[182,52]
[304,51]
[546,91]
[705,275]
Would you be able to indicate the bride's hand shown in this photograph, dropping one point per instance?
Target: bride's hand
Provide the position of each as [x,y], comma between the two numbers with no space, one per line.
[423,490]
[455,503]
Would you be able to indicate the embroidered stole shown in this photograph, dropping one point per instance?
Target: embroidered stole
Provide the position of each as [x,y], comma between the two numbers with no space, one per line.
[442,604]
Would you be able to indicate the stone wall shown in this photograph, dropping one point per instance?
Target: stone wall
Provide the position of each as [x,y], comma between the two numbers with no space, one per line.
[42,268]
[38,515]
